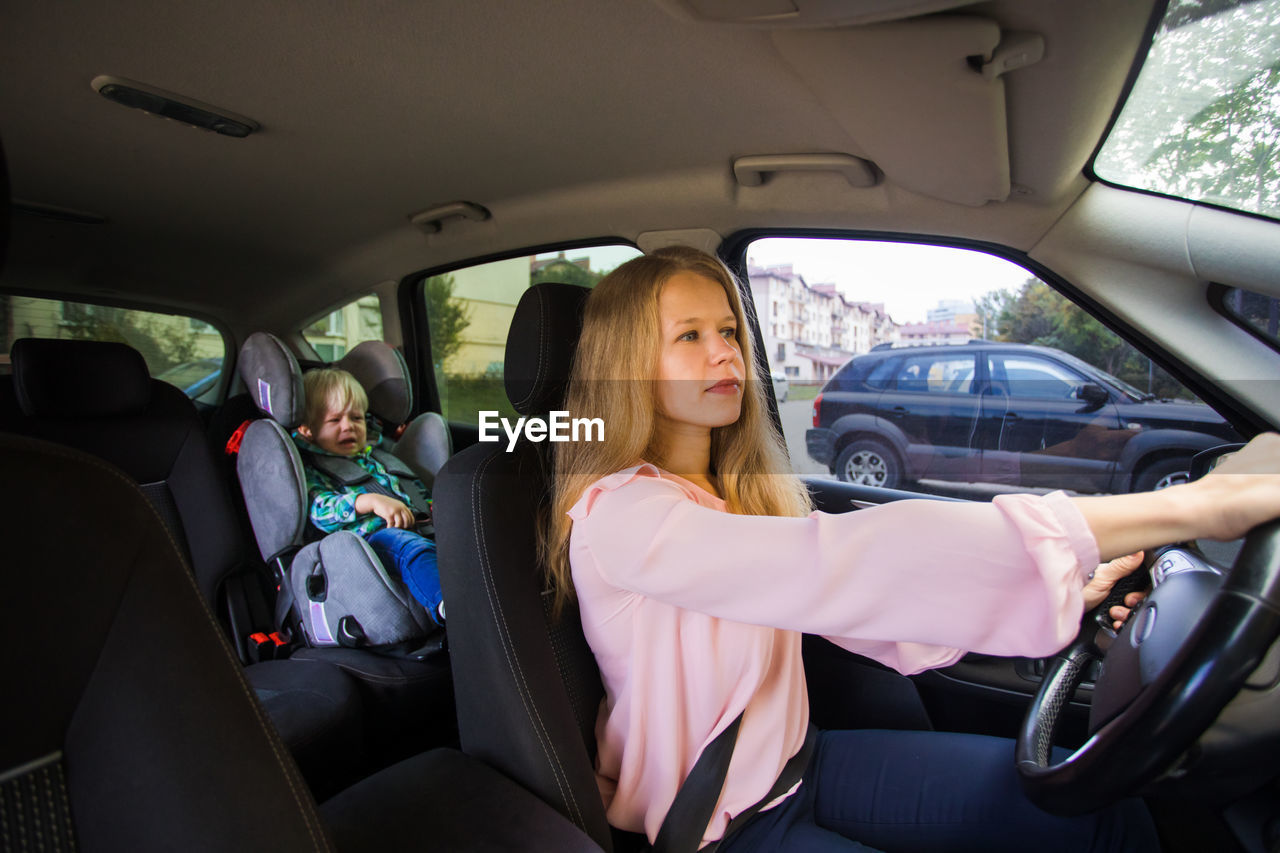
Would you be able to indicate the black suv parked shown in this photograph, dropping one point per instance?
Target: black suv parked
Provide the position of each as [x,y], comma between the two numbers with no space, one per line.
[1002,413]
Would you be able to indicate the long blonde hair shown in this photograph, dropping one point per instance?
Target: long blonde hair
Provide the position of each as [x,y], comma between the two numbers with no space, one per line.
[613,379]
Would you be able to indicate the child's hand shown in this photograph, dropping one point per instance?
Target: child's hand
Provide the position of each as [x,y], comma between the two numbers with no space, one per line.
[390,510]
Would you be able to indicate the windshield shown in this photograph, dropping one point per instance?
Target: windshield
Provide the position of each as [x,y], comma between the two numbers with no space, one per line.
[1203,119]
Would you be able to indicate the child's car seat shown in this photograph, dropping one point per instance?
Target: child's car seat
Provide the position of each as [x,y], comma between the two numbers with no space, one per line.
[410,689]
[424,444]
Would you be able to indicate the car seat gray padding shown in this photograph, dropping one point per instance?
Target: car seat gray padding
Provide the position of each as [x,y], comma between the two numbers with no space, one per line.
[382,372]
[57,378]
[136,687]
[344,552]
[273,378]
[274,486]
[425,446]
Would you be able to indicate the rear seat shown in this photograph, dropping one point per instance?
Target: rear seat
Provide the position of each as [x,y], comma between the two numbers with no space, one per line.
[408,698]
[99,398]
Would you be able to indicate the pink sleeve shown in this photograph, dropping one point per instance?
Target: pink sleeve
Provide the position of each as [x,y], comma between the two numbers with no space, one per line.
[909,583]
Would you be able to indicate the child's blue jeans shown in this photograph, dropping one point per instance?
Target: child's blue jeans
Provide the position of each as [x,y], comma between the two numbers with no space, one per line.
[414,557]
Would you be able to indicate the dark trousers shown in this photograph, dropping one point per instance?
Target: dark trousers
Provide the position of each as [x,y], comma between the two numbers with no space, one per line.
[900,791]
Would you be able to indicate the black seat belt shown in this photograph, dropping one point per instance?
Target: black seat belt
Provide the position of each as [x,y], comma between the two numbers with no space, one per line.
[686,821]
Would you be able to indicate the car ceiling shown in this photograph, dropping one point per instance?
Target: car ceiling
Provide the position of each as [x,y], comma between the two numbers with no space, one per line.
[566,119]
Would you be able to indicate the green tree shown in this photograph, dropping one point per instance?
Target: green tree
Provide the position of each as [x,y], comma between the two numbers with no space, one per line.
[567,272]
[1038,314]
[447,317]
[1228,149]
[989,307]
[163,341]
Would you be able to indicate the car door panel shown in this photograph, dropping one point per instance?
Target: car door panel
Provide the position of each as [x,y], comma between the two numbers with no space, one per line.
[933,404]
[1047,438]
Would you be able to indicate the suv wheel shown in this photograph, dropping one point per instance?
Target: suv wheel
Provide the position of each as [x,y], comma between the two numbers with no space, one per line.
[1162,474]
[867,462]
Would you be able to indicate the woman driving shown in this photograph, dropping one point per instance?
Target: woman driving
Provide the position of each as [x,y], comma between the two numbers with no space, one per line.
[697,562]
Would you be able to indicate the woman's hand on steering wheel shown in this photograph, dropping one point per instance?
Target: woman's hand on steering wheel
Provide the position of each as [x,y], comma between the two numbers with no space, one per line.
[1104,578]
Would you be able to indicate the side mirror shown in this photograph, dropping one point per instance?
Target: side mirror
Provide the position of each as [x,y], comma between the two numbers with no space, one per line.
[1091,394]
[1206,460]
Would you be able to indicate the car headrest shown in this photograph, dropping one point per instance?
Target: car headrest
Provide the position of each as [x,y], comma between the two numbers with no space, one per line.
[540,346]
[273,378]
[382,372]
[60,378]
[4,207]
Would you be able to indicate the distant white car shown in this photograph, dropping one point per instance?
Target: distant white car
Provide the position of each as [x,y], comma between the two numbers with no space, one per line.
[780,386]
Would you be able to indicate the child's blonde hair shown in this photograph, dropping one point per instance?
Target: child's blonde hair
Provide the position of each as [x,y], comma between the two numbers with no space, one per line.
[330,389]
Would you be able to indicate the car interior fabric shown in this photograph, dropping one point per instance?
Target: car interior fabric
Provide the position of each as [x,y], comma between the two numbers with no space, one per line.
[135,689]
[408,699]
[130,743]
[526,683]
[444,800]
[160,442]
[79,379]
[425,446]
[382,372]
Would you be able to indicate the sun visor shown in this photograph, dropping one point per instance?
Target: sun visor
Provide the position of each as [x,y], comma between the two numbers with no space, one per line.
[923,99]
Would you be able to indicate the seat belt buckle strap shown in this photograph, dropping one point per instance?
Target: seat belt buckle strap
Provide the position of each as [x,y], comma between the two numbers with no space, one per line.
[261,647]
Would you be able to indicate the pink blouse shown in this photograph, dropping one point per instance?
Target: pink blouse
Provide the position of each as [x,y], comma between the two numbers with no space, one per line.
[694,615]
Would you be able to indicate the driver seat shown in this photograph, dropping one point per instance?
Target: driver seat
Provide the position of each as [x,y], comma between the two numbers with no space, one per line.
[526,684]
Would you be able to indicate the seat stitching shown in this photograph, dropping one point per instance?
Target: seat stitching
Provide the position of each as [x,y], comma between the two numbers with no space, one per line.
[543,308]
[307,814]
[565,789]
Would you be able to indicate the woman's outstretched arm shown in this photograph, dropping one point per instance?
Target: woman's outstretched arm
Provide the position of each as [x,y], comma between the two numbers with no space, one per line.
[1241,493]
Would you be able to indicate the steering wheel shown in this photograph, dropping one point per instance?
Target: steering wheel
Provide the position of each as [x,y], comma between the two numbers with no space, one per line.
[1177,662]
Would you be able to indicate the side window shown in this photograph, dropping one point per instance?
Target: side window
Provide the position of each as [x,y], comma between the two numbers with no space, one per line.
[1022,376]
[469,311]
[936,374]
[334,334]
[881,342]
[182,351]
[882,372]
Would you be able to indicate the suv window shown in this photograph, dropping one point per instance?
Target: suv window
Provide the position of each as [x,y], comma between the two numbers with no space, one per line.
[183,351]
[469,310]
[1034,377]
[936,374]
[952,371]
[333,335]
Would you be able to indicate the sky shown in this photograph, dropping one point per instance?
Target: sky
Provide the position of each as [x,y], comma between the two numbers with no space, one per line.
[908,278]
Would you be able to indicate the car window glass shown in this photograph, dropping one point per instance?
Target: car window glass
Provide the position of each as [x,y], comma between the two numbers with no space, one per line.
[936,375]
[183,351]
[880,374]
[1061,403]
[1025,376]
[469,310]
[333,335]
[1258,312]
